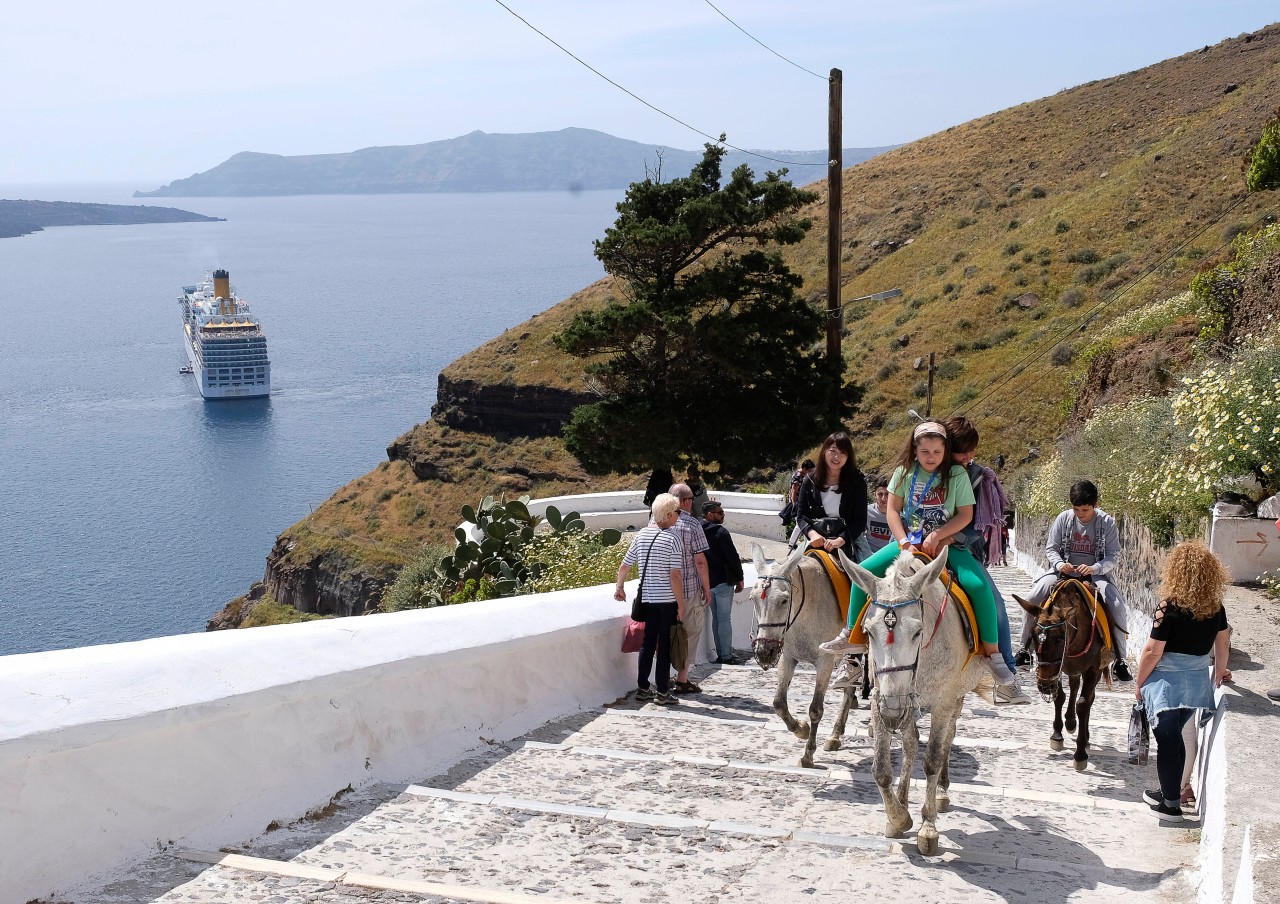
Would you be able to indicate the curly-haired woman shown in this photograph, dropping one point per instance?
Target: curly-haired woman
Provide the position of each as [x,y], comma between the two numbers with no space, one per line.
[1188,629]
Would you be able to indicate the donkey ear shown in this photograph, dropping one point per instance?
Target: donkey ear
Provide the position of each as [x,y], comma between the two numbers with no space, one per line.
[859,575]
[795,557]
[930,572]
[757,556]
[1030,607]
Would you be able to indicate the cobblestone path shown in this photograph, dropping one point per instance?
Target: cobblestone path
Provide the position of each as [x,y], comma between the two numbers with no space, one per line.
[705,802]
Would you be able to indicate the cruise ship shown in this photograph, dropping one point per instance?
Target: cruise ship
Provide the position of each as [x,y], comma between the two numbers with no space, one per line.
[225,343]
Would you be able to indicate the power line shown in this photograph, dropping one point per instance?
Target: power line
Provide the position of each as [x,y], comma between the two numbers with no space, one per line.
[655,109]
[763,44]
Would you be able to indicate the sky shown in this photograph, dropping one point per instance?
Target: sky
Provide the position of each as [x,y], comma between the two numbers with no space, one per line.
[150,91]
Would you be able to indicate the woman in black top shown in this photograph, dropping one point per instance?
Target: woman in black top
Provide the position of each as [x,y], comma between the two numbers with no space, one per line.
[835,490]
[1189,626]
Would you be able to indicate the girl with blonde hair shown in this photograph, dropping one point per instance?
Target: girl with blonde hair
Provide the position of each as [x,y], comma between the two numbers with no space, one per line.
[1188,629]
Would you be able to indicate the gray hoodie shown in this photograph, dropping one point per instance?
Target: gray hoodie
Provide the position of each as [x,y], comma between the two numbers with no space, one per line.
[1106,542]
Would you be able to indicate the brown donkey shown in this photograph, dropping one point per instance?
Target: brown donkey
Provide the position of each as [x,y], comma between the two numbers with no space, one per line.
[1069,641]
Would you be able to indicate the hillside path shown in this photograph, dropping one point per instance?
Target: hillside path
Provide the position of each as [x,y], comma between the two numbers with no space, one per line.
[704,802]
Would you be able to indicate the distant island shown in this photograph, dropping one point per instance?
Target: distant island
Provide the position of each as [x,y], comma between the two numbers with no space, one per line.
[25,217]
[568,160]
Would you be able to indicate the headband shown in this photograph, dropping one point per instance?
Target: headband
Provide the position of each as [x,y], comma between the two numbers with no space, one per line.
[928,428]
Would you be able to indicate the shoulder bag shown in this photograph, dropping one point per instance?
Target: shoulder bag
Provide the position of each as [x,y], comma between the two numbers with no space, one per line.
[637,605]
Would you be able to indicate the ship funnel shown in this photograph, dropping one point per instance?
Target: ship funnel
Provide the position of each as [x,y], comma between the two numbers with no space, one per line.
[222,291]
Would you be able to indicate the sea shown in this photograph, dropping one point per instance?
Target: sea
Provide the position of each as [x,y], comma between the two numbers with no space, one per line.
[132,508]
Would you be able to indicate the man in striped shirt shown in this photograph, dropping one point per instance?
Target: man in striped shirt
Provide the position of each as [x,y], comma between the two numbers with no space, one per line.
[697,581]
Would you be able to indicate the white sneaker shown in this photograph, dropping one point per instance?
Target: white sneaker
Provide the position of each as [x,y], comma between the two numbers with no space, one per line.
[1011,695]
[840,644]
[843,676]
[986,689]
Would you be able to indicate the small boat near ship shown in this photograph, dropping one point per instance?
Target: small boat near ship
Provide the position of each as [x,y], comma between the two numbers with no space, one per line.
[224,341]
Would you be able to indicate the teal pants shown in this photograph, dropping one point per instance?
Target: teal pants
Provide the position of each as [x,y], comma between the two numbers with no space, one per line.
[967,570]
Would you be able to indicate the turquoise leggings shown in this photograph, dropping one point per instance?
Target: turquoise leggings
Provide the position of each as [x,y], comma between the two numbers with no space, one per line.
[967,570]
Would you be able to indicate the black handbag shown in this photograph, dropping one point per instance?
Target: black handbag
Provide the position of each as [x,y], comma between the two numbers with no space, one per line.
[829,528]
[638,612]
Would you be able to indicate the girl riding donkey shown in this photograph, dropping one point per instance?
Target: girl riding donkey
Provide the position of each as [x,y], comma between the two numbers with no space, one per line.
[930,502]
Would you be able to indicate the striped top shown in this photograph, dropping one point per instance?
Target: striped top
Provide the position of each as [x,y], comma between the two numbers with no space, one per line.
[666,555]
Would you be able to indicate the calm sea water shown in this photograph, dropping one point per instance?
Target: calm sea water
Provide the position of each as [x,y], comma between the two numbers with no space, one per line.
[132,508]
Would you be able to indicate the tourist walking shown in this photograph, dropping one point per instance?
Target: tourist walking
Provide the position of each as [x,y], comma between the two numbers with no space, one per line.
[696,581]
[1189,632]
[724,571]
[657,551]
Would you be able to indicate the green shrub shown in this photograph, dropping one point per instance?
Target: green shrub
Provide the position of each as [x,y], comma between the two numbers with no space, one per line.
[1062,355]
[1012,248]
[1083,256]
[949,369]
[965,222]
[986,288]
[1072,298]
[577,559]
[1063,226]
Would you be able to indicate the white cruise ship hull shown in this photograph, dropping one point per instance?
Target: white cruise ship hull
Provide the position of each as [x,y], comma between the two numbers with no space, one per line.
[224,341]
[209,386]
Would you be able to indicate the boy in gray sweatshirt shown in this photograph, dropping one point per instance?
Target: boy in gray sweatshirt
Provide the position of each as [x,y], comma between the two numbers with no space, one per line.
[1083,543]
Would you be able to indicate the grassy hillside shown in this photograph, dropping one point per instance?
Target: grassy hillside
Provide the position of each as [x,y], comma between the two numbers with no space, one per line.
[1015,238]
[1010,235]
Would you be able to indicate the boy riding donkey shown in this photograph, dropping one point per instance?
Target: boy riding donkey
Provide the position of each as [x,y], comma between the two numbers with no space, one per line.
[1083,543]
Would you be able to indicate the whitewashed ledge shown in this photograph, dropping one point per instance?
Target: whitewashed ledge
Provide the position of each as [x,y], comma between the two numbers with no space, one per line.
[204,739]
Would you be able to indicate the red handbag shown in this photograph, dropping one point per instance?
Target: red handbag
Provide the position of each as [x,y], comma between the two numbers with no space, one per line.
[633,637]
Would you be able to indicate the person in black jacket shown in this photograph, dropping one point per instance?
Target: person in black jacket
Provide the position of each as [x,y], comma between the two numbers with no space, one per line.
[832,507]
[724,568]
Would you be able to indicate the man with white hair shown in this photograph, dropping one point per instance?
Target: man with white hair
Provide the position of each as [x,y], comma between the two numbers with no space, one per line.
[697,580]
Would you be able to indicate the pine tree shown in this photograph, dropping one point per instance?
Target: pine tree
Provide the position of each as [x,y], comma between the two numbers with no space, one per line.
[710,356]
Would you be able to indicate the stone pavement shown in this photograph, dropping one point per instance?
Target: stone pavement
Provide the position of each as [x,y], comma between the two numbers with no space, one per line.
[705,802]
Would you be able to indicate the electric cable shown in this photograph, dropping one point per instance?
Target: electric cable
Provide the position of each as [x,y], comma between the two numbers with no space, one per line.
[763,44]
[652,107]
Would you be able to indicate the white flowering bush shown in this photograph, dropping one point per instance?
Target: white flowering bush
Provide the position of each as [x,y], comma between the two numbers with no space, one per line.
[572,559]
[1124,449]
[1146,321]
[1230,414]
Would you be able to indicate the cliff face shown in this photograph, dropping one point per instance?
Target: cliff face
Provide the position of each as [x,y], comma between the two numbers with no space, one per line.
[323,585]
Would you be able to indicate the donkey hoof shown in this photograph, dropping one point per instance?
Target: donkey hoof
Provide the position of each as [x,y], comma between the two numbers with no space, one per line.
[801,731]
[1080,764]
[942,801]
[896,830]
[927,842]
[1055,743]
[832,744]
[1071,727]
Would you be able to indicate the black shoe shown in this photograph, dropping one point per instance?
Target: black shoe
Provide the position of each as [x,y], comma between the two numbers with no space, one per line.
[1022,659]
[644,693]
[1122,671]
[685,687]
[728,660]
[1165,813]
[1153,796]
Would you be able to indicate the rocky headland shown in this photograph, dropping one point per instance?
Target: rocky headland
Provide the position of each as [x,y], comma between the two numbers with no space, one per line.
[25,217]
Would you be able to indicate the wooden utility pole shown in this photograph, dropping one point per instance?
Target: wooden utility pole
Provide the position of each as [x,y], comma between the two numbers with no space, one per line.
[835,185]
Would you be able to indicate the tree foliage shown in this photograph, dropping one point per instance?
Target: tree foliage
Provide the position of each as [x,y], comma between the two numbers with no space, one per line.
[1262,163]
[710,356]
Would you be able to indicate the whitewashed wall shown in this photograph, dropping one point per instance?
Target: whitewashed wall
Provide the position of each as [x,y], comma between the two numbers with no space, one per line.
[204,739]
[1247,546]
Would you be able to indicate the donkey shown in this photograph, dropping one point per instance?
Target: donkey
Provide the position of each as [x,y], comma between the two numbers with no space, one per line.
[1068,642]
[796,609]
[922,662]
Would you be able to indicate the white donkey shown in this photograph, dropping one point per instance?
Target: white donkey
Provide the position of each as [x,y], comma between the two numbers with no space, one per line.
[920,661]
[796,609]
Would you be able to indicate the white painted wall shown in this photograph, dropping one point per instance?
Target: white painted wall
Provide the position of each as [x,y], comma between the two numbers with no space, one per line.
[204,739]
[1247,546]
[750,514]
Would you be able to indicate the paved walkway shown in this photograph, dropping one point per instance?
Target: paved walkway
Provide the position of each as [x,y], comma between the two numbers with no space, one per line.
[704,802]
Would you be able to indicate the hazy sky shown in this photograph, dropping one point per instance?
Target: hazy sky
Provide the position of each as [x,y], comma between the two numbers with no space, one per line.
[154,91]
